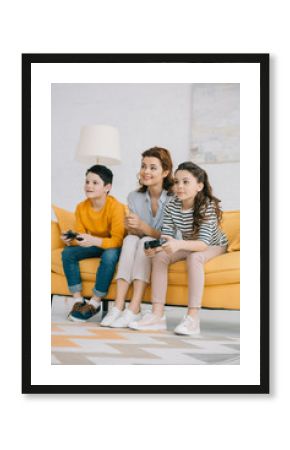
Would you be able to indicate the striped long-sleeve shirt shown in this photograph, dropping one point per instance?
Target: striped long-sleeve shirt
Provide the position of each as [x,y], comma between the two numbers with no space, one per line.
[179,224]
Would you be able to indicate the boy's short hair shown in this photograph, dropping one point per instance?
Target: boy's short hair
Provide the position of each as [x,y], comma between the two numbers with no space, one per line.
[104,173]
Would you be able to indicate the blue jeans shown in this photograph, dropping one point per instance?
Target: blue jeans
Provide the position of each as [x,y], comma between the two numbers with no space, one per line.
[70,260]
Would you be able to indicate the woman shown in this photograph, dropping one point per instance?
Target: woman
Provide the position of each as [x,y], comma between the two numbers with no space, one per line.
[143,222]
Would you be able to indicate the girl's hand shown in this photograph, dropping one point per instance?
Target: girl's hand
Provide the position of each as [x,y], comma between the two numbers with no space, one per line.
[151,251]
[171,246]
[88,240]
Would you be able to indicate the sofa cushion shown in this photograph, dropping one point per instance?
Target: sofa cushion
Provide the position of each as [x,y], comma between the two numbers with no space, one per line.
[56,241]
[66,219]
[231,226]
[224,269]
[234,245]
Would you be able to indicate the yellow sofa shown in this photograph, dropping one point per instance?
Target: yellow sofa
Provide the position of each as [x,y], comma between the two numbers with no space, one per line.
[222,274]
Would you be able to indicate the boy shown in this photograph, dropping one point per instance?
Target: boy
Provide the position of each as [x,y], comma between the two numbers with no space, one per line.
[100,232]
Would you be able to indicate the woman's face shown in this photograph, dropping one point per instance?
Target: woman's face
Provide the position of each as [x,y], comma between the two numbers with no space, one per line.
[186,185]
[151,172]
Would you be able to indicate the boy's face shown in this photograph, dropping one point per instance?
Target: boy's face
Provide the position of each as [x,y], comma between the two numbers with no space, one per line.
[94,186]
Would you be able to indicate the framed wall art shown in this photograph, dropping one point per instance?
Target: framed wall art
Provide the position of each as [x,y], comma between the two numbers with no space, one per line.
[209,112]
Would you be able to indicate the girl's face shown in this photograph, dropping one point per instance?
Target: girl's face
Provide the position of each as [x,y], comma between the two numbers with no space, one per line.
[151,172]
[186,185]
[94,186]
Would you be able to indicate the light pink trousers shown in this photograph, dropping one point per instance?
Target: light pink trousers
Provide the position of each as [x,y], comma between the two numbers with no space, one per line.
[133,263]
[195,268]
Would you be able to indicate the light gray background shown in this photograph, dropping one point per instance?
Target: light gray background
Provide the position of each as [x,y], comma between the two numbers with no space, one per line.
[215,122]
[146,115]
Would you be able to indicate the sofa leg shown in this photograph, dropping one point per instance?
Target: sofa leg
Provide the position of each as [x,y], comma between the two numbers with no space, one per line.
[105,307]
[51,298]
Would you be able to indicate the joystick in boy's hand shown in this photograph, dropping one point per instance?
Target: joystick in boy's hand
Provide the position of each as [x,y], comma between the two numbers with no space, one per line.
[70,235]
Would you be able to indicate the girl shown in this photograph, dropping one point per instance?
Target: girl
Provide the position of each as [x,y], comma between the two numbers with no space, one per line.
[191,230]
[143,223]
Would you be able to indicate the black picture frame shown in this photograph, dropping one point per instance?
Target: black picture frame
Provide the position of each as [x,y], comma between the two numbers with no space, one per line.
[263,61]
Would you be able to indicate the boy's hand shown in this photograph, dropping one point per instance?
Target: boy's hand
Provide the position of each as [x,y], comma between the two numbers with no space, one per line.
[65,239]
[89,241]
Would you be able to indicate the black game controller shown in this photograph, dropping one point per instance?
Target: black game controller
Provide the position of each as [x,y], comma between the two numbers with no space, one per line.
[72,235]
[154,244]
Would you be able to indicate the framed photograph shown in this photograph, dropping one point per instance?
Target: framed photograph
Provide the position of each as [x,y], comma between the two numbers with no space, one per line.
[124,150]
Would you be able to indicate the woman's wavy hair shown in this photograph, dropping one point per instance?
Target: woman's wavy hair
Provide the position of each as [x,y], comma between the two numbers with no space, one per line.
[203,198]
[166,162]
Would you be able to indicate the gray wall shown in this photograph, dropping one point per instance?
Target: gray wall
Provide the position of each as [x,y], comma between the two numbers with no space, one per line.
[146,115]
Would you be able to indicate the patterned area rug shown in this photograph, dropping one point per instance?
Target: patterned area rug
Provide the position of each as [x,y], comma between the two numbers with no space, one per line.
[88,343]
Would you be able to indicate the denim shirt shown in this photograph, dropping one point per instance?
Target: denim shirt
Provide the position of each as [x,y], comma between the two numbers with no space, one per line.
[140,203]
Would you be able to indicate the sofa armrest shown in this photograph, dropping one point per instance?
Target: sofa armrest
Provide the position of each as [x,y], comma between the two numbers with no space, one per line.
[56,241]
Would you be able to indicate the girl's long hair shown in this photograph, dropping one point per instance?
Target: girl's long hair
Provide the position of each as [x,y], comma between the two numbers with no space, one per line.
[203,198]
[166,162]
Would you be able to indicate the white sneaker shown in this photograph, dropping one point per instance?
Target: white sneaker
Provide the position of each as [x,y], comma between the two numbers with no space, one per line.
[149,322]
[125,318]
[110,317]
[189,326]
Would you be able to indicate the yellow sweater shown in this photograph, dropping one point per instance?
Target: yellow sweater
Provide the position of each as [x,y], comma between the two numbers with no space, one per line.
[108,223]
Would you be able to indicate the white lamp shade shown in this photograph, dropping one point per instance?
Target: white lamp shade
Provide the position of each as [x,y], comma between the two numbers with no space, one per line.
[99,144]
